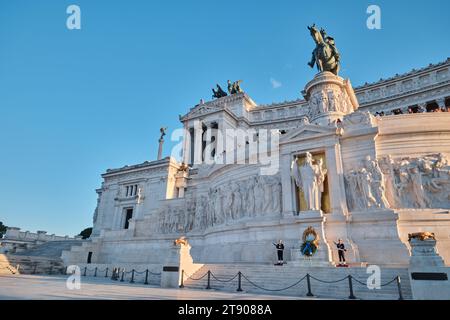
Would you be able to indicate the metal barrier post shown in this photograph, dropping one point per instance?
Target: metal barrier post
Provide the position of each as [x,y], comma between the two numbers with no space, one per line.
[106,272]
[399,286]
[239,289]
[308,281]
[85,269]
[123,273]
[350,286]
[209,280]
[95,272]
[132,276]
[146,277]
[182,279]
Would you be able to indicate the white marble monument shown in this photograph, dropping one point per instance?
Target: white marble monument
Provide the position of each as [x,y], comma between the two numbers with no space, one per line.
[337,166]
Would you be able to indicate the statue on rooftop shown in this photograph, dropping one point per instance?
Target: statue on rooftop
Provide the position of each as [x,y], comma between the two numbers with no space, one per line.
[163,133]
[219,93]
[325,56]
[234,87]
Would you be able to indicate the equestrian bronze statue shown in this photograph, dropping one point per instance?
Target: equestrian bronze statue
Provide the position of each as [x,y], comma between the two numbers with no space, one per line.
[325,56]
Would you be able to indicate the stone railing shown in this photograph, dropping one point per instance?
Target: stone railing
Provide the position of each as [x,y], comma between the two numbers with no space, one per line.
[14,234]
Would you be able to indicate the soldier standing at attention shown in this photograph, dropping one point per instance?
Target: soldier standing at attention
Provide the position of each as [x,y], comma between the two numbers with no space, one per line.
[280,248]
[341,252]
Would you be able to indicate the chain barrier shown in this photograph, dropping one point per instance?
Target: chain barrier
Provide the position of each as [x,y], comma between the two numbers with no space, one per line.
[118,273]
[273,290]
[229,280]
[240,275]
[328,282]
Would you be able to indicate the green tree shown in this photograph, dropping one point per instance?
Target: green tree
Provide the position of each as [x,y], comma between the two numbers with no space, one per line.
[86,233]
[2,229]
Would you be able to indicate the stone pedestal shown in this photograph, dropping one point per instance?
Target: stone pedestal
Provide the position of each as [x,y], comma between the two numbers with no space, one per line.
[322,257]
[317,260]
[424,254]
[428,275]
[178,263]
[330,97]
[170,274]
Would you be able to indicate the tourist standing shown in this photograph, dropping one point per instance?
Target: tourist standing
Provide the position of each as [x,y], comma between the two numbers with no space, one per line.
[280,249]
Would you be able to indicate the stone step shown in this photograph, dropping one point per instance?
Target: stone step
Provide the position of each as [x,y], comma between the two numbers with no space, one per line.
[277,277]
[51,249]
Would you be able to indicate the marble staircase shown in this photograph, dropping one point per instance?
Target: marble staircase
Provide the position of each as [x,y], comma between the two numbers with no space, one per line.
[41,259]
[51,249]
[277,277]
[5,266]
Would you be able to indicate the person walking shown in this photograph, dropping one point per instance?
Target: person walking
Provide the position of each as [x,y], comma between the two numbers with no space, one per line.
[341,252]
[280,249]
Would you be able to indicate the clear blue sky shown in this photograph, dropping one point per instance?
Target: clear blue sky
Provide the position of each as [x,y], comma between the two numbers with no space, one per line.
[74,103]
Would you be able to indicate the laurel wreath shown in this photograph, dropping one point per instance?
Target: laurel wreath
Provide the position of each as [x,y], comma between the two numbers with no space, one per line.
[309,247]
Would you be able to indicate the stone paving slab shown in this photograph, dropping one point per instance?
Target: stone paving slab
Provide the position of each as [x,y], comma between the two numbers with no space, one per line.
[39,287]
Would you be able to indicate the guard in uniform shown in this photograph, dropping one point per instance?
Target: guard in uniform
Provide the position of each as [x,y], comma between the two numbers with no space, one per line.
[341,252]
[280,248]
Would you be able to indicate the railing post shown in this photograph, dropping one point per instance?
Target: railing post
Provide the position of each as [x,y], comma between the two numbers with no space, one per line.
[399,286]
[123,273]
[146,277]
[132,276]
[350,286]
[308,281]
[239,289]
[95,272]
[65,270]
[182,279]
[208,286]
[106,272]
[85,269]
[114,273]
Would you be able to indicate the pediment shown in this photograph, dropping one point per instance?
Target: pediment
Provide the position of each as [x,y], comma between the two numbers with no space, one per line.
[204,108]
[308,131]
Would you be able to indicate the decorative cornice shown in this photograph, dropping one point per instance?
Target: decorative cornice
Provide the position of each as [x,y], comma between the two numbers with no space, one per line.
[397,77]
[142,166]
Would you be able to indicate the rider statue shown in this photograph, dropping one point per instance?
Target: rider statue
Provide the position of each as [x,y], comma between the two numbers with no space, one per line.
[325,55]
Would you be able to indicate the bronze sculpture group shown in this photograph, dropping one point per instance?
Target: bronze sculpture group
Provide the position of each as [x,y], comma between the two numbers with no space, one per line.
[233,87]
[325,56]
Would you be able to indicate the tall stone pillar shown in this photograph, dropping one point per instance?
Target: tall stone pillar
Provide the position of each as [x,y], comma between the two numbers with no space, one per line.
[160,148]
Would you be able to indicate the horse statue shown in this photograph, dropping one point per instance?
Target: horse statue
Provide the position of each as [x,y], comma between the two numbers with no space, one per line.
[219,93]
[325,55]
[234,87]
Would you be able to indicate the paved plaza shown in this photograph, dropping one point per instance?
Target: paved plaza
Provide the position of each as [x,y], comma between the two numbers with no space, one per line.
[18,287]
